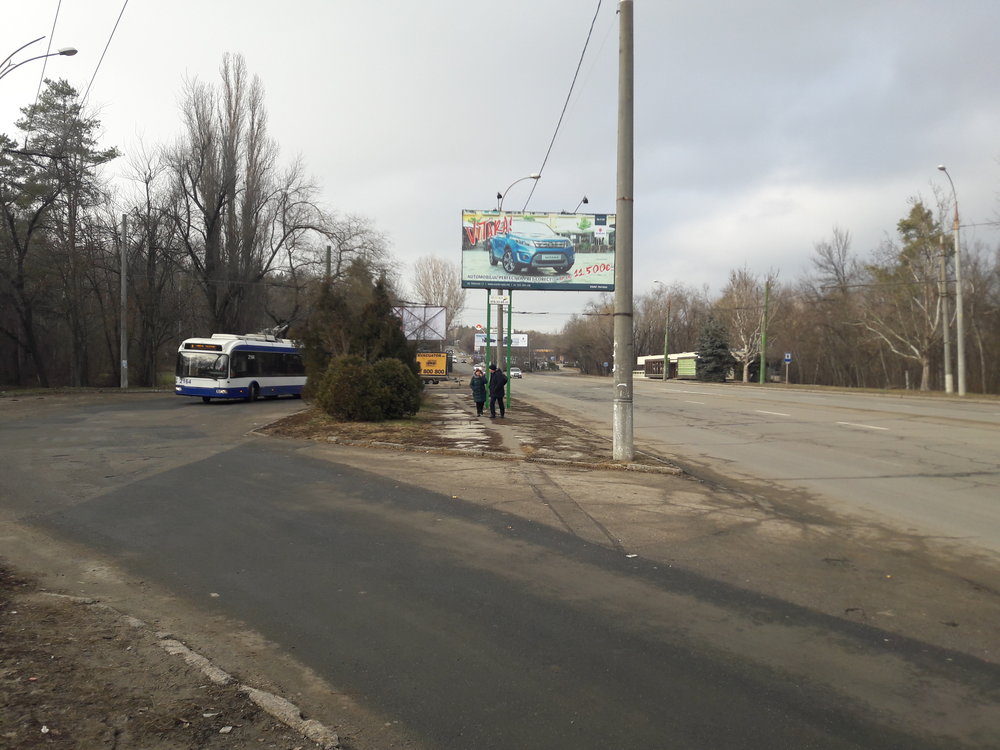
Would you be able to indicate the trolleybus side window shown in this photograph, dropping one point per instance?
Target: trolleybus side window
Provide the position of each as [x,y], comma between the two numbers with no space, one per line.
[245,364]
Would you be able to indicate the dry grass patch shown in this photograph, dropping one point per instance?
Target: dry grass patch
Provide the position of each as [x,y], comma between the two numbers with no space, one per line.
[314,424]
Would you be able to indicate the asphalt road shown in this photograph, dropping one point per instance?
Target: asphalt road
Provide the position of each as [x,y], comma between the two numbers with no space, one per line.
[927,465]
[469,626]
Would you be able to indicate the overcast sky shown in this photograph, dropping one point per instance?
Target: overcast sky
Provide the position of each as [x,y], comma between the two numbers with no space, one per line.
[759,126]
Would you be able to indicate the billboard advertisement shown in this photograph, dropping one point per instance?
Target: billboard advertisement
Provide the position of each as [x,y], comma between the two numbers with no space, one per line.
[546,251]
[433,364]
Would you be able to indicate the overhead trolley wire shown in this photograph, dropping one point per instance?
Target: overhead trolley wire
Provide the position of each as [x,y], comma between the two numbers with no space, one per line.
[110,37]
[41,78]
[562,114]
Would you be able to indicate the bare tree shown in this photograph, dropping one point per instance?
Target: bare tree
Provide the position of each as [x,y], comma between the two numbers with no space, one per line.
[156,261]
[439,282]
[588,339]
[351,239]
[741,309]
[823,320]
[901,306]
[238,213]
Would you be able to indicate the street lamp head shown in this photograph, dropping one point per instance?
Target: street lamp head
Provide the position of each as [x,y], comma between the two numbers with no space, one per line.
[942,167]
[68,51]
[534,175]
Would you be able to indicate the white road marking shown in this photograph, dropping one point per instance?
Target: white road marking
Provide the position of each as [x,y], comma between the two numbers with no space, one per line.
[775,413]
[865,426]
[702,403]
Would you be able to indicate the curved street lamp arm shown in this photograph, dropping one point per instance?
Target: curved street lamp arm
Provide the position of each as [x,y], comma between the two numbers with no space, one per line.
[67,51]
[7,59]
[532,176]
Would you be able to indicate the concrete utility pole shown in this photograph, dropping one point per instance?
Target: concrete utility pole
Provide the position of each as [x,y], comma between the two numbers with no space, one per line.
[123,313]
[666,343]
[623,445]
[959,304]
[949,382]
[762,372]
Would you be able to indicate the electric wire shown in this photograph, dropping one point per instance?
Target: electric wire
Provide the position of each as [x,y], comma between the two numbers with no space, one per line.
[45,60]
[41,78]
[110,37]
[562,114]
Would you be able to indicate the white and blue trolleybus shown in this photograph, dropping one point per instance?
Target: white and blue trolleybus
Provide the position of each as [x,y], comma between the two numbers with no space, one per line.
[246,366]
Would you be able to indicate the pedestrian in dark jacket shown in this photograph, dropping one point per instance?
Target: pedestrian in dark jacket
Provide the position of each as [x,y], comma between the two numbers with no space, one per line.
[478,386]
[497,382]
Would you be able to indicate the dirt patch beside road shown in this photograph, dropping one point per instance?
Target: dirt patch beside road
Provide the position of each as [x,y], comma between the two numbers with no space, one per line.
[74,674]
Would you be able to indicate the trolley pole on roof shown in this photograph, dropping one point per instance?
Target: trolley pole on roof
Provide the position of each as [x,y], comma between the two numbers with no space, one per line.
[623,445]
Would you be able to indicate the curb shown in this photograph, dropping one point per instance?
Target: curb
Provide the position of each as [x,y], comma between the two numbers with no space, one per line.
[280,708]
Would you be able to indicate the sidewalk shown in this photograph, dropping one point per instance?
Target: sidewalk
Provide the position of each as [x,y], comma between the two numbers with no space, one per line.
[526,432]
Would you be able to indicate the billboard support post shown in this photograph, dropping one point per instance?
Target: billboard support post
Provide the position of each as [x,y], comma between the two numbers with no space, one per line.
[623,446]
[489,329]
[510,338]
[498,344]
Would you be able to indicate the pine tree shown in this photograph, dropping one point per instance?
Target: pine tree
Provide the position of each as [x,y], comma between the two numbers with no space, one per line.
[715,361]
[379,333]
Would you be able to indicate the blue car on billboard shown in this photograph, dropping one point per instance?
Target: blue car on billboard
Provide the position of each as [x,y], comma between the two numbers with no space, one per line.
[531,246]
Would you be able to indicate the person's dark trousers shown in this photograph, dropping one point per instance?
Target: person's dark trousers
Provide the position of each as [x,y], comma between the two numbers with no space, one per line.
[494,400]
[479,408]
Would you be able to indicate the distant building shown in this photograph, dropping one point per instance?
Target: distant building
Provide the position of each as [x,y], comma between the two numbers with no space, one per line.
[683,365]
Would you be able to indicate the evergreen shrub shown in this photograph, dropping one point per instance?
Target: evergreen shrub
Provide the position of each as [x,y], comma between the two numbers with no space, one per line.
[399,388]
[355,391]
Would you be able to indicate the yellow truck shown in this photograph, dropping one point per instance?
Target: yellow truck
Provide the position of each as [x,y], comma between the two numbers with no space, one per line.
[433,366]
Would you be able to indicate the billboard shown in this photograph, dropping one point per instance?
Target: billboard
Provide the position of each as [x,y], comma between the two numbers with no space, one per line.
[433,364]
[422,322]
[547,251]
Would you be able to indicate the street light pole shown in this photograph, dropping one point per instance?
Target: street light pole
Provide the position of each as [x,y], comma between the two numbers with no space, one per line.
[9,65]
[959,307]
[499,345]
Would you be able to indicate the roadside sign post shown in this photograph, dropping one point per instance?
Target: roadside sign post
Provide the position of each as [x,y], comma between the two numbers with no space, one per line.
[788,361]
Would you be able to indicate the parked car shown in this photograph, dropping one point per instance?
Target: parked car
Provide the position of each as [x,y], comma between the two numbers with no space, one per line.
[515,372]
[531,246]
